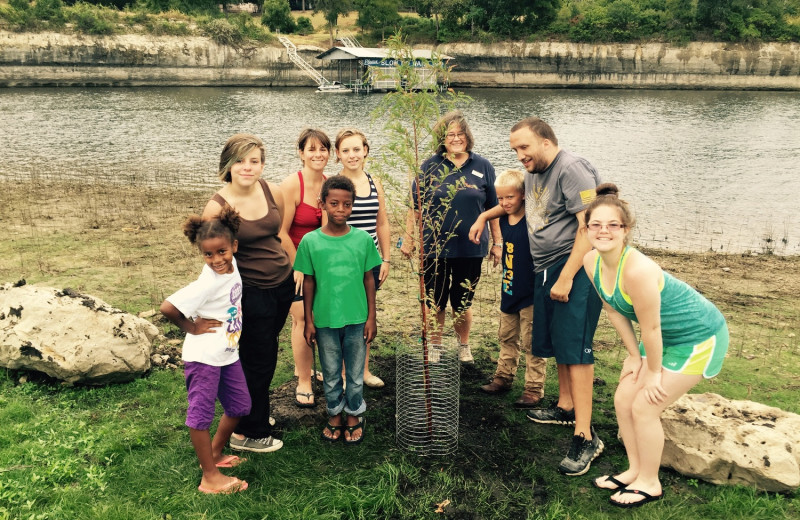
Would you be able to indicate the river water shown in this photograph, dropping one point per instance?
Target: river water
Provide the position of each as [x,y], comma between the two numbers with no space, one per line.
[705,170]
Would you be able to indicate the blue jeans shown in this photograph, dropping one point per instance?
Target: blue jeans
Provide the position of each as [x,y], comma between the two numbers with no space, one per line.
[335,345]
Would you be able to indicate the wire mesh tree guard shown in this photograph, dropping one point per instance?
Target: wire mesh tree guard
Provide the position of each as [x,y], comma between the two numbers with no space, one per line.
[427,389]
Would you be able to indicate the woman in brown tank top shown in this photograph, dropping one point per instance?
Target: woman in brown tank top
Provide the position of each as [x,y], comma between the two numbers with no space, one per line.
[266,276]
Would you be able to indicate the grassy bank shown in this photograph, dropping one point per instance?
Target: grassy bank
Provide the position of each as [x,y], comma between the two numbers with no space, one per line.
[122,451]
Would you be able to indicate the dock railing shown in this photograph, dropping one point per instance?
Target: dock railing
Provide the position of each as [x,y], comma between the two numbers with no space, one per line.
[306,67]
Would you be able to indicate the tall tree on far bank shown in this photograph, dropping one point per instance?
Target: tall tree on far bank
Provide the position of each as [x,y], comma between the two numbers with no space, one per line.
[331,10]
[377,14]
[737,20]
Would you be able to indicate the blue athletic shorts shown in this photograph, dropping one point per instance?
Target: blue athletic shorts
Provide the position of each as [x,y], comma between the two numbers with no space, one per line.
[565,330]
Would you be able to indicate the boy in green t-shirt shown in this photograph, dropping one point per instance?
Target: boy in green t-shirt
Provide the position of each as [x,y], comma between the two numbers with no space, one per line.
[339,298]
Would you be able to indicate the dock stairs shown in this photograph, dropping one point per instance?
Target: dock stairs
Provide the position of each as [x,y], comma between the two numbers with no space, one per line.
[349,42]
[303,64]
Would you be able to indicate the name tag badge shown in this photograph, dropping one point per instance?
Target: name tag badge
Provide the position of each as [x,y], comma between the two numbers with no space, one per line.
[477,174]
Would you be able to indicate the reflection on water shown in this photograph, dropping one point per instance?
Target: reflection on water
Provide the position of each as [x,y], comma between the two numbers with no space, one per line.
[705,170]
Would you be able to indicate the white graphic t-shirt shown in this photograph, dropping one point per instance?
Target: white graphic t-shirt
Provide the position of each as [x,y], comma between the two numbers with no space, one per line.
[213,296]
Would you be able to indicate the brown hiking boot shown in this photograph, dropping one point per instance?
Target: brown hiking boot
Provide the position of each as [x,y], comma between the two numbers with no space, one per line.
[496,386]
[527,400]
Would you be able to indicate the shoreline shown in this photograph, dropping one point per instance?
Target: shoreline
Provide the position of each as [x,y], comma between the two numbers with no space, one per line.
[131,60]
[95,195]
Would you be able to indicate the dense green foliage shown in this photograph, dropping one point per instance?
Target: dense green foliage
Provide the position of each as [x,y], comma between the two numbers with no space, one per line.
[277,15]
[613,20]
[377,15]
[453,20]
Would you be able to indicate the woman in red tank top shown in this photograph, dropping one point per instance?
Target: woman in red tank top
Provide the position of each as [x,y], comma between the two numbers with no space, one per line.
[301,214]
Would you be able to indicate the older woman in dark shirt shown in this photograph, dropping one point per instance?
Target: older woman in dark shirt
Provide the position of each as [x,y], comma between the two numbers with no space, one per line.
[455,186]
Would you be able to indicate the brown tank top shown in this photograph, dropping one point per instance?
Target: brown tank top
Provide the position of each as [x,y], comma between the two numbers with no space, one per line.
[262,261]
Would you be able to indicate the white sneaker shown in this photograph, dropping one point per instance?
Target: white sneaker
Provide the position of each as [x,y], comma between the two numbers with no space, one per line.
[374,381]
[465,354]
[434,353]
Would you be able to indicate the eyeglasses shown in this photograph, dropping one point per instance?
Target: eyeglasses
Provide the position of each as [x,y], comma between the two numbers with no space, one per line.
[611,226]
[450,136]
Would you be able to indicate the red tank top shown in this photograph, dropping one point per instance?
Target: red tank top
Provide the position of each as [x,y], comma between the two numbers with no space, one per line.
[306,217]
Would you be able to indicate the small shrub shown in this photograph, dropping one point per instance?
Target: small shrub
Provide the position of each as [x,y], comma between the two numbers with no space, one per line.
[223,32]
[19,15]
[417,30]
[20,5]
[138,18]
[235,30]
[50,10]
[159,27]
[92,19]
[250,29]
[304,25]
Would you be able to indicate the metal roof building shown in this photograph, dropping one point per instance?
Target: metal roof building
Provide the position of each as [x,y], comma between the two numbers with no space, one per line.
[371,68]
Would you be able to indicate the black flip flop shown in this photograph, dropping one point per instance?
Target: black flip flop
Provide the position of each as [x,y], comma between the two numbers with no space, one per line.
[647,498]
[351,429]
[613,480]
[308,395]
[333,429]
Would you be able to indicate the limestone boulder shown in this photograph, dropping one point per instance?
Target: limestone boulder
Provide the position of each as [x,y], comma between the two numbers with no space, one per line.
[70,336]
[732,442]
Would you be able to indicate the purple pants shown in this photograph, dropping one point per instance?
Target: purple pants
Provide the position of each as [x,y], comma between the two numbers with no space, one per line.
[206,383]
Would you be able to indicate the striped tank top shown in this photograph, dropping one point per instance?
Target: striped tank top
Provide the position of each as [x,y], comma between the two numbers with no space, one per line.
[365,212]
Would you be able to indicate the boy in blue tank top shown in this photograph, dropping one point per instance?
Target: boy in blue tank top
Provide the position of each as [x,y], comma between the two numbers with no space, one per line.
[516,297]
[339,301]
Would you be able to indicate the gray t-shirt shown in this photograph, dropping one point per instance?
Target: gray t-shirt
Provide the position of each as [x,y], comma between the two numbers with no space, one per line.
[551,200]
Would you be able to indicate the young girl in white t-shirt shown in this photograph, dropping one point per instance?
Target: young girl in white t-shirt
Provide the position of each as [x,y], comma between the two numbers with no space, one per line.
[209,311]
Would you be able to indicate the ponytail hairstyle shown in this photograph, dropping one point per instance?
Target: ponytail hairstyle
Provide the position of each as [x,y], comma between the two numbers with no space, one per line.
[226,224]
[344,133]
[608,195]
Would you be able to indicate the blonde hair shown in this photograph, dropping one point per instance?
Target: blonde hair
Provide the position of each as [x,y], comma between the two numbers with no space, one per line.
[511,179]
[236,148]
[344,133]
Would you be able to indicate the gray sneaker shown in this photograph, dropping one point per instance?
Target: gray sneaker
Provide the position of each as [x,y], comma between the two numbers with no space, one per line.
[552,415]
[263,445]
[581,454]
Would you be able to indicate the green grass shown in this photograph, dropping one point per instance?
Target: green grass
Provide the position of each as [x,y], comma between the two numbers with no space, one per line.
[122,451]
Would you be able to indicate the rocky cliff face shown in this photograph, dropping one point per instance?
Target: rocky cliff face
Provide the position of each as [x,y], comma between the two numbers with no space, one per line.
[50,59]
[697,65]
[137,60]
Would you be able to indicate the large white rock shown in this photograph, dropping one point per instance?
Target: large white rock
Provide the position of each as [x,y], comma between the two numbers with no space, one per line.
[732,442]
[72,337]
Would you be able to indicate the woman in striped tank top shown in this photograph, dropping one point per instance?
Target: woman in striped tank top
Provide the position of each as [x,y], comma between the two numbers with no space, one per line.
[369,209]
